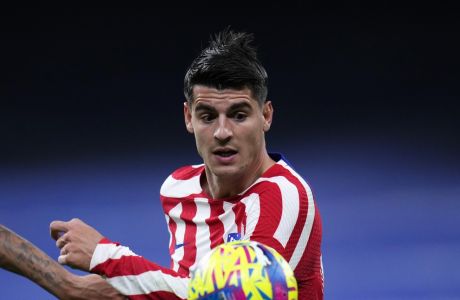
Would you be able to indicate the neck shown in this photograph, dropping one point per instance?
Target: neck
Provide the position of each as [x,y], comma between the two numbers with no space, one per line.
[227,186]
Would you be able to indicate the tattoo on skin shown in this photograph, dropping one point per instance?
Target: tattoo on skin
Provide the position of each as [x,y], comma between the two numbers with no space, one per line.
[20,256]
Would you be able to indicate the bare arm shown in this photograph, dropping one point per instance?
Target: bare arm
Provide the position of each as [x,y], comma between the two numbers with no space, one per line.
[22,257]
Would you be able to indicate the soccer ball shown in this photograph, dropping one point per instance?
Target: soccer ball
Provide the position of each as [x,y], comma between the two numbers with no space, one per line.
[242,270]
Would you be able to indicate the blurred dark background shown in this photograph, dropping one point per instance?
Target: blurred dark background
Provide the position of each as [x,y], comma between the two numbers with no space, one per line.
[366,109]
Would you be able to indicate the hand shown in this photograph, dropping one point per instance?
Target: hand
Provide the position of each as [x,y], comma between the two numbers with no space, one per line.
[77,241]
[93,287]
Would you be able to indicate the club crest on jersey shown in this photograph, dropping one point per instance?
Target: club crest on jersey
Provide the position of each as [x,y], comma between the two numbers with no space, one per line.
[234,236]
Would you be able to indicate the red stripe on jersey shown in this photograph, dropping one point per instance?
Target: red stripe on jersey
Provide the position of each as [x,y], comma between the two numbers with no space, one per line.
[105,240]
[240,215]
[302,216]
[156,296]
[188,212]
[271,207]
[216,227]
[129,265]
[308,272]
[187,172]
[169,203]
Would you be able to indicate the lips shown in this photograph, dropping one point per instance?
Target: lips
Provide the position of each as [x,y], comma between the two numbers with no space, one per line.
[225,155]
[224,152]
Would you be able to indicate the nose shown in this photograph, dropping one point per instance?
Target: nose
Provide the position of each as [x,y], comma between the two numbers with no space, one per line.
[223,132]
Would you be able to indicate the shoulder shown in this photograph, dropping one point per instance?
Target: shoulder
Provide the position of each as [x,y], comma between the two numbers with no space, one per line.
[182,182]
[283,178]
[187,172]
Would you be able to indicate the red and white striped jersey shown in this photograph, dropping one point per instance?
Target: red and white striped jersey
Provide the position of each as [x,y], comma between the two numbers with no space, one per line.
[277,210]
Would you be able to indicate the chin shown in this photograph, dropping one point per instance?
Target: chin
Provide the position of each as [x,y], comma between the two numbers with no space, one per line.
[225,171]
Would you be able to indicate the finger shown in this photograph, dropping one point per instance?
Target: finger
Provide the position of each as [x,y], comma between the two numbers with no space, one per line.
[66,256]
[57,228]
[65,250]
[62,241]
[62,259]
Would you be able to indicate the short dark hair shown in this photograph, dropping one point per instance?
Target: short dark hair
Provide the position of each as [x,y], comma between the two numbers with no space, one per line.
[228,62]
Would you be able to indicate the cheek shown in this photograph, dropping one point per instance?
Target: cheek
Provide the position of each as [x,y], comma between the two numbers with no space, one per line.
[201,141]
[198,147]
[254,139]
[199,144]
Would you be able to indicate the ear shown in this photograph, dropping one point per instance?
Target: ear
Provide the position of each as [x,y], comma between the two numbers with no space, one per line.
[188,117]
[267,112]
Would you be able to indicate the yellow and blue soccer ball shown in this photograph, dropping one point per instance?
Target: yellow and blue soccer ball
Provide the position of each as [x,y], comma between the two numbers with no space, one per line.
[242,270]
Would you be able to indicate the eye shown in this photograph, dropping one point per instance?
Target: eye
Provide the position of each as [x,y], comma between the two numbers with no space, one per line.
[240,116]
[207,118]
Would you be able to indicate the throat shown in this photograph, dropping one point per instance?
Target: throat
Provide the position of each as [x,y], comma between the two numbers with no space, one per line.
[218,187]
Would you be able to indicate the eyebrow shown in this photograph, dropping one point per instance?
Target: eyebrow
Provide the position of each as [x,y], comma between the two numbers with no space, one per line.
[205,107]
[202,106]
[240,105]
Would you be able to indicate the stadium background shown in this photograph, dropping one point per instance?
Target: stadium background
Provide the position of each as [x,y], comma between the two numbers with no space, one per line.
[366,109]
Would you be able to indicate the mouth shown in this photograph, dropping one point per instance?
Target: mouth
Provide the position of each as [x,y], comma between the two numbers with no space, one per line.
[225,152]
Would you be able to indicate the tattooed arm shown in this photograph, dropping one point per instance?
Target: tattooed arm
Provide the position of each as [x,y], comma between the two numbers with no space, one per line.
[22,257]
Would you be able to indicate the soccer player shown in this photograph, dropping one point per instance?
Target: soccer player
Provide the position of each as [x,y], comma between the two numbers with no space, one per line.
[239,192]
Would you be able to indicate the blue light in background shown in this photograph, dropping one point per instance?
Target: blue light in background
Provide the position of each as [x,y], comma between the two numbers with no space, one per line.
[390,220]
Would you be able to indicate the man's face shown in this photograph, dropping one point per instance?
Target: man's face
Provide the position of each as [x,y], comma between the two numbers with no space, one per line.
[229,127]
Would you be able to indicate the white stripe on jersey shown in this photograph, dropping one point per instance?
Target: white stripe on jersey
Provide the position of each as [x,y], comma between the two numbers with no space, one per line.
[306,230]
[180,188]
[203,242]
[252,211]
[106,251]
[228,220]
[169,230]
[290,209]
[179,235]
[149,282]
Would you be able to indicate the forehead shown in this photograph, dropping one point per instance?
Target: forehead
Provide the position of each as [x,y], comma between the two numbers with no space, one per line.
[213,96]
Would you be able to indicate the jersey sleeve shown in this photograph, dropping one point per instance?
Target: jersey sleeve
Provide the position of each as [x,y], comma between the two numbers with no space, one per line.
[134,276]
